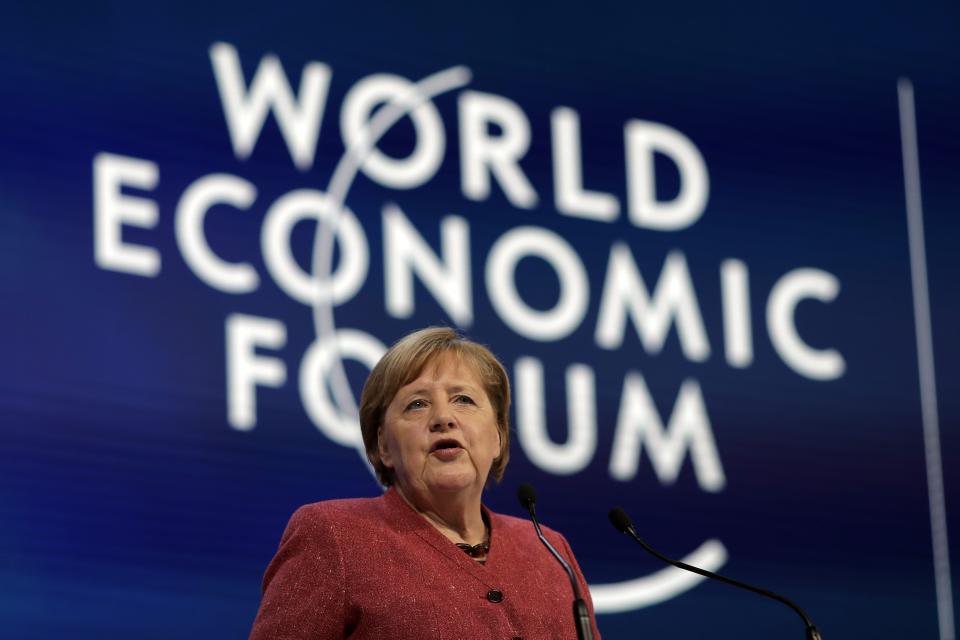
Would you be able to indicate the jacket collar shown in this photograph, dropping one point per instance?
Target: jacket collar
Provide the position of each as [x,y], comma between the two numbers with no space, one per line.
[404,519]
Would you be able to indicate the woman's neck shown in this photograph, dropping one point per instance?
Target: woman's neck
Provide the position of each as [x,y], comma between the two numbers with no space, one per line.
[459,518]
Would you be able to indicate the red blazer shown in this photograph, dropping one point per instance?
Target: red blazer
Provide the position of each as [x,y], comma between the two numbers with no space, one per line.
[374,568]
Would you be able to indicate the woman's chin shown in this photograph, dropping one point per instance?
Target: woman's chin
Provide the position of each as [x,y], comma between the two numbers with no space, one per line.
[451,481]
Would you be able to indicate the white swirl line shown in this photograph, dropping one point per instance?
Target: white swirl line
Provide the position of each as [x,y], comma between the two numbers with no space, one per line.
[340,183]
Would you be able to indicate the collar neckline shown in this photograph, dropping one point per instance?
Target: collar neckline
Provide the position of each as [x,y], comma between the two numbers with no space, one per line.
[405,518]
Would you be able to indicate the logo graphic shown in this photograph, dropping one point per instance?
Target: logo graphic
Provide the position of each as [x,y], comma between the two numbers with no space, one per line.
[494,134]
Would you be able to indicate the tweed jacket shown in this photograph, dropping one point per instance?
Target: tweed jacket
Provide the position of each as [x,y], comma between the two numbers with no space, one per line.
[374,568]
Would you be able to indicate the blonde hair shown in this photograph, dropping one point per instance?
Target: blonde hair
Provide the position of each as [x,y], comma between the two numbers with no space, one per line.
[404,361]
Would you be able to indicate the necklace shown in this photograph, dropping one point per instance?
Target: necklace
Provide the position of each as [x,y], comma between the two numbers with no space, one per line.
[475,550]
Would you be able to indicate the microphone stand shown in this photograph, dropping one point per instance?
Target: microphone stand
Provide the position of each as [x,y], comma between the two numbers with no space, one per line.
[581,615]
[620,520]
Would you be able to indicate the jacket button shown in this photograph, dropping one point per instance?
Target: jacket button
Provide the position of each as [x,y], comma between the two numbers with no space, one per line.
[494,596]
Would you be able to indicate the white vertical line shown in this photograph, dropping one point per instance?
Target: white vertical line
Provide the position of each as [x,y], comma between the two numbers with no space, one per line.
[928,383]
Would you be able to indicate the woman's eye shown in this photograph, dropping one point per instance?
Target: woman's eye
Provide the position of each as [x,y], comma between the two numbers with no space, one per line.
[464,399]
[416,404]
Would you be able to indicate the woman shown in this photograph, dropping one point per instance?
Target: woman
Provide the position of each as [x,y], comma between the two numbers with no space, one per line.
[426,559]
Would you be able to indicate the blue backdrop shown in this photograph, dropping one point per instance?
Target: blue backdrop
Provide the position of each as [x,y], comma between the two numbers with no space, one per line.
[687,223]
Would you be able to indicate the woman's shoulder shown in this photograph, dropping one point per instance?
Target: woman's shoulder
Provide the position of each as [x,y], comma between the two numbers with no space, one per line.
[520,528]
[339,513]
[509,523]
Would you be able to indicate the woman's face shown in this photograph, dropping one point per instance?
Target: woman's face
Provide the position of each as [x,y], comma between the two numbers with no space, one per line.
[439,432]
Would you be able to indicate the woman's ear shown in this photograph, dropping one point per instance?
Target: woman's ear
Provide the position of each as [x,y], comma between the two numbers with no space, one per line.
[382,449]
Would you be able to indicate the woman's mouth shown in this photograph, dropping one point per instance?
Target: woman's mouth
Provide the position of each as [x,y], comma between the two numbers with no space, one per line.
[446,450]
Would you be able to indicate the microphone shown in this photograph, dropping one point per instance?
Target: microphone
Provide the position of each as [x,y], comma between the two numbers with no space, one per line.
[621,521]
[581,615]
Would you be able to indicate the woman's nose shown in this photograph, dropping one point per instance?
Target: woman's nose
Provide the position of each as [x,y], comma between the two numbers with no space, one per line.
[441,421]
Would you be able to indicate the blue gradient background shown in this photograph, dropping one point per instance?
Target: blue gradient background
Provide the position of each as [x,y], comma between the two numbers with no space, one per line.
[131,509]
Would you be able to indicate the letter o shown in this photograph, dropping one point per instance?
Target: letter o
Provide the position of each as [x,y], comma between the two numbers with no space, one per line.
[343,428]
[423,162]
[567,314]
[278,224]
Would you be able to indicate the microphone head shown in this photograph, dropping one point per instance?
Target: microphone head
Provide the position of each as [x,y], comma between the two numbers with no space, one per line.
[620,519]
[527,496]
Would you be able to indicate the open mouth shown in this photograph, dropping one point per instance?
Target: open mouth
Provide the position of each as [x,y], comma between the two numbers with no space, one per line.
[446,448]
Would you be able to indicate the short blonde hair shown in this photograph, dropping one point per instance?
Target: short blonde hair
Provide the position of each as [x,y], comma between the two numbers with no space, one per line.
[401,365]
